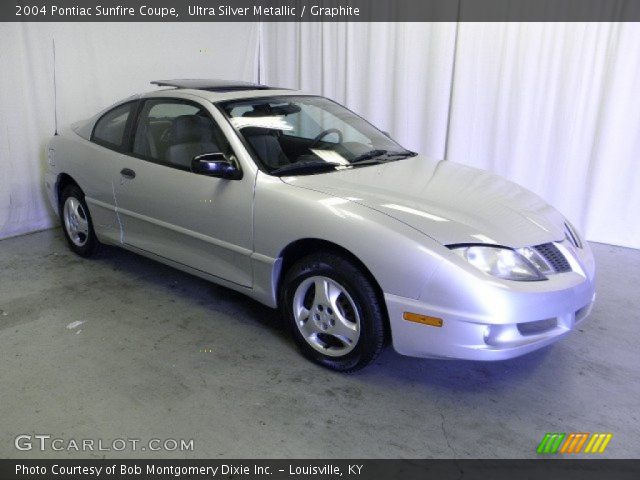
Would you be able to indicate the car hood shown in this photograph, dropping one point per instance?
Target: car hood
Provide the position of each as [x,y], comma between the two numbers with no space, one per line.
[449,202]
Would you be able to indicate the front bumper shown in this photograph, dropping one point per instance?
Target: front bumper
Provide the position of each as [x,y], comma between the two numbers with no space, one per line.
[490,319]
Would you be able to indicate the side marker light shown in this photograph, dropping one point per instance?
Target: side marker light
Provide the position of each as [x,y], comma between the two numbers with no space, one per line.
[423,319]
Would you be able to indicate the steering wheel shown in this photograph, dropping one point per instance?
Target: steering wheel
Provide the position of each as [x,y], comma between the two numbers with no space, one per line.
[323,134]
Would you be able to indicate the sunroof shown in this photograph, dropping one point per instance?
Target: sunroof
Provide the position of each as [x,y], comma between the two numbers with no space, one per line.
[211,85]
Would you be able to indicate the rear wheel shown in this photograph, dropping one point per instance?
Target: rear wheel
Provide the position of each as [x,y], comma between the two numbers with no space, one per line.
[76,221]
[333,311]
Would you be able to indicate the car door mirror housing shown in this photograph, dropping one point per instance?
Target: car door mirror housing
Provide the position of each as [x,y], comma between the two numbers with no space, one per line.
[215,165]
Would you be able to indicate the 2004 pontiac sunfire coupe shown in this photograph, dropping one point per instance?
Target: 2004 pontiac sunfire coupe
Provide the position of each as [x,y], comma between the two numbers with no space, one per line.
[301,204]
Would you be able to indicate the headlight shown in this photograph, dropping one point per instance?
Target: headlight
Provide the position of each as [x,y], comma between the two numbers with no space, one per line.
[500,262]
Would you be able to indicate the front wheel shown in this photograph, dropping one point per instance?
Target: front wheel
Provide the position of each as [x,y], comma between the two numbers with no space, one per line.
[334,312]
[76,221]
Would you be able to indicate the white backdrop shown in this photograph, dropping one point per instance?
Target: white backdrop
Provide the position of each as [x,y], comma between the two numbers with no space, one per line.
[397,75]
[552,106]
[96,64]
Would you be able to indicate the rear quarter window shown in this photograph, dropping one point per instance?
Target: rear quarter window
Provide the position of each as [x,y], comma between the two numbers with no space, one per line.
[110,130]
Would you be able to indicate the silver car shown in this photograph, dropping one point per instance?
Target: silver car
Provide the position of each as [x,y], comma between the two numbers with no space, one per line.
[304,206]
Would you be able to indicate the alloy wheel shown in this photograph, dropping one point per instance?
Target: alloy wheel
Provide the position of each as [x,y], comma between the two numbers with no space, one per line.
[326,316]
[75,221]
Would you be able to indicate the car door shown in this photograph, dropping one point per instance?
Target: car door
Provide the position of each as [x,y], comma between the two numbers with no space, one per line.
[98,169]
[199,221]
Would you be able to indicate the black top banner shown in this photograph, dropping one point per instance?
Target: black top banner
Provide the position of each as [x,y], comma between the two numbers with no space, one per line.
[544,469]
[319,10]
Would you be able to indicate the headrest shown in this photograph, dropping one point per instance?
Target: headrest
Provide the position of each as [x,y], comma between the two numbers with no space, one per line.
[258,111]
[191,129]
[256,131]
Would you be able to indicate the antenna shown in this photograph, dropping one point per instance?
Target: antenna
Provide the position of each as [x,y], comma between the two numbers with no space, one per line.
[55,90]
[259,51]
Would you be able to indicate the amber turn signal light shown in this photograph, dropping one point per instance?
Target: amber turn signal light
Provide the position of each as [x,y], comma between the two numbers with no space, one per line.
[424,319]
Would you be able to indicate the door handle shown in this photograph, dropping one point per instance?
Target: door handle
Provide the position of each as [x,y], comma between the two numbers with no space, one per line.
[127,173]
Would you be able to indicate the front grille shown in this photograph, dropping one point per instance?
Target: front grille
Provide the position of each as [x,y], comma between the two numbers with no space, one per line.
[554,257]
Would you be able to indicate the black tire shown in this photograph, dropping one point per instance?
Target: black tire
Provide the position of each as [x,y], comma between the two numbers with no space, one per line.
[87,243]
[363,295]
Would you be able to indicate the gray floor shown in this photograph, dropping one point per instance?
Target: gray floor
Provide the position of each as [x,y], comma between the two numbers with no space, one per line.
[162,354]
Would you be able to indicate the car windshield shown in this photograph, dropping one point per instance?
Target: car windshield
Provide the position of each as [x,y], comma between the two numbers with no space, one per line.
[294,135]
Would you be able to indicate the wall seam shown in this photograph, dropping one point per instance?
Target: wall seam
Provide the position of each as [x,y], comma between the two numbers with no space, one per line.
[452,84]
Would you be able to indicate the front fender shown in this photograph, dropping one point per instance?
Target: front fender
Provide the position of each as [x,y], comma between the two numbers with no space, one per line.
[401,258]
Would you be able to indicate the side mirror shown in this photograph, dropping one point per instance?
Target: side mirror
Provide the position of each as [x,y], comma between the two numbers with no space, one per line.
[215,165]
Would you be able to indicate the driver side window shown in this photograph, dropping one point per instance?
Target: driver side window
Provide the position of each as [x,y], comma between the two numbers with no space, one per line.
[171,132]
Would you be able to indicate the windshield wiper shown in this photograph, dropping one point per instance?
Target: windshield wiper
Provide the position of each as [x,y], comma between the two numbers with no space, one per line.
[376,154]
[369,155]
[368,158]
[405,154]
[306,167]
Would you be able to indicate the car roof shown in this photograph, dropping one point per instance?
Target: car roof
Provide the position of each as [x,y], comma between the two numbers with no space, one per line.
[211,85]
[216,90]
